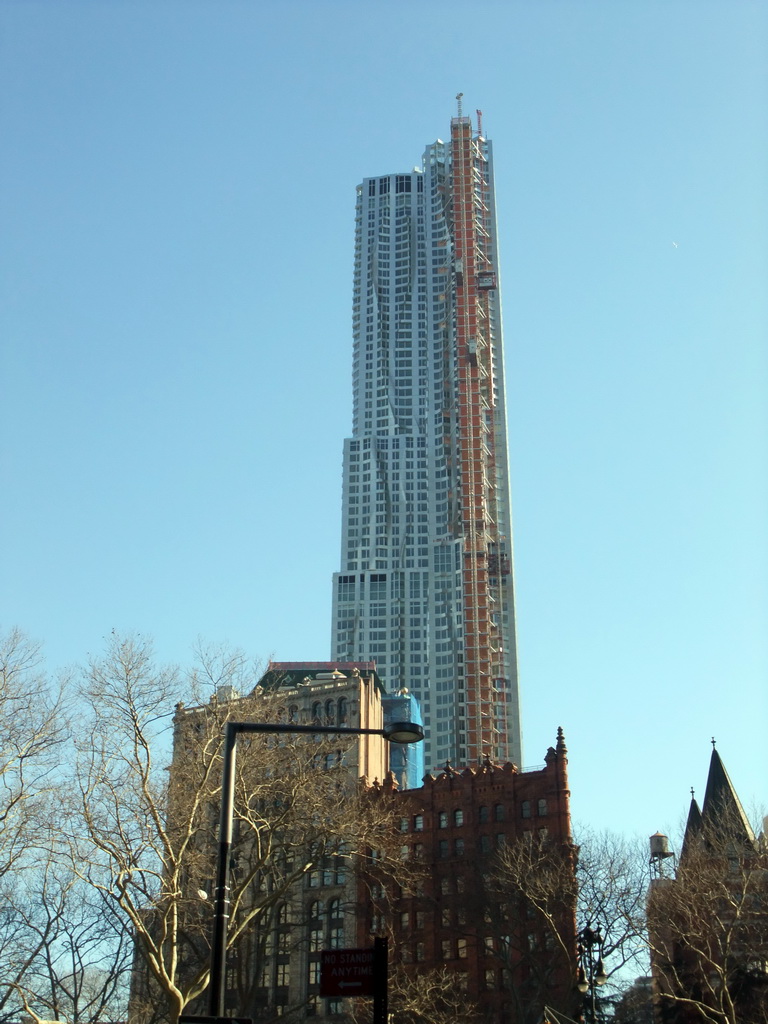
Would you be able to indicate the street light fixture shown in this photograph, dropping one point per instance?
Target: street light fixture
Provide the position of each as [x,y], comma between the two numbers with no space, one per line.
[396,732]
[590,973]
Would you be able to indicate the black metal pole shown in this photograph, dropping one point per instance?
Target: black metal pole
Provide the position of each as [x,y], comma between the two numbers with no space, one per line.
[221,894]
[216,986]
[380,980]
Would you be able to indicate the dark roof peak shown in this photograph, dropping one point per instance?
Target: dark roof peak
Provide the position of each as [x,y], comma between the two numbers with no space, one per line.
[721,817]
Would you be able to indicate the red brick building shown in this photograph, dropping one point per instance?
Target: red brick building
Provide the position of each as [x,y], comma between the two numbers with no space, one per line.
[482,834]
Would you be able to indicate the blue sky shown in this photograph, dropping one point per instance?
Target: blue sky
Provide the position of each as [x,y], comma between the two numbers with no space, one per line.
[177,202]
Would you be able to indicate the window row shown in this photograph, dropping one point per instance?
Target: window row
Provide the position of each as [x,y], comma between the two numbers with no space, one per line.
[329,712]
[484,814]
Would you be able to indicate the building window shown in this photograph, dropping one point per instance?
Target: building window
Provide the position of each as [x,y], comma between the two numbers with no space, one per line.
[316,909]
[458,817]
[442,819]
[498,812]
[525,808]
[458,847]
[443,847]
[483,815]
[542,808]
[418,823]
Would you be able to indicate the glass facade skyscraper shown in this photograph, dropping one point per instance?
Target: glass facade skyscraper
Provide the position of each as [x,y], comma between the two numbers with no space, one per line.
[425,587]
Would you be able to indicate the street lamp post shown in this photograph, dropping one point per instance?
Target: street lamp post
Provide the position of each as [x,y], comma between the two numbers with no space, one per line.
[590,972]
[398,732]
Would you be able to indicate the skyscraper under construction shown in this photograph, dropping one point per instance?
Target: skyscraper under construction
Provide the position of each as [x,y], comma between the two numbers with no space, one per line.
[426,588]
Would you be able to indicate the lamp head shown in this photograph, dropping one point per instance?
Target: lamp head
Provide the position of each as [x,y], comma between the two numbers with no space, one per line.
[403,732]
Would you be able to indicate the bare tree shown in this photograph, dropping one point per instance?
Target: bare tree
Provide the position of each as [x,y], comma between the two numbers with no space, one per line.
[708,928]
[613,876]
[427,997]
[32,731]
[144,836]
[539,892]
[68,956]
[529,903]
[32,727]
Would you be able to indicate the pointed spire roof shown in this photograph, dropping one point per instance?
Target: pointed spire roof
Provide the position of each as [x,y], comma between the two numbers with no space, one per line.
[693,825]
[722,806]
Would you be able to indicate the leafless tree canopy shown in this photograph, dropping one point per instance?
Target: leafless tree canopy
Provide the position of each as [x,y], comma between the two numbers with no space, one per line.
[708,929]
[106,853]
[144,837]
[32,729]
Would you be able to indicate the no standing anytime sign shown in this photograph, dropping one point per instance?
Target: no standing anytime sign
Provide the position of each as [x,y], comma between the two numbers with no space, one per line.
[347,972]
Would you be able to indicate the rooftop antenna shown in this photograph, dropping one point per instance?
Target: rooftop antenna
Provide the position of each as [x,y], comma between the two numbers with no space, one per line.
[458,100]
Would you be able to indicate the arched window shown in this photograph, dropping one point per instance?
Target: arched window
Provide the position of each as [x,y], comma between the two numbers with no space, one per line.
[293,713]
[525,808]
[316,909]
[498,812]
[330,712]
[483,815]
[442,819]
[342,708]
[542,808]
[317,711]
